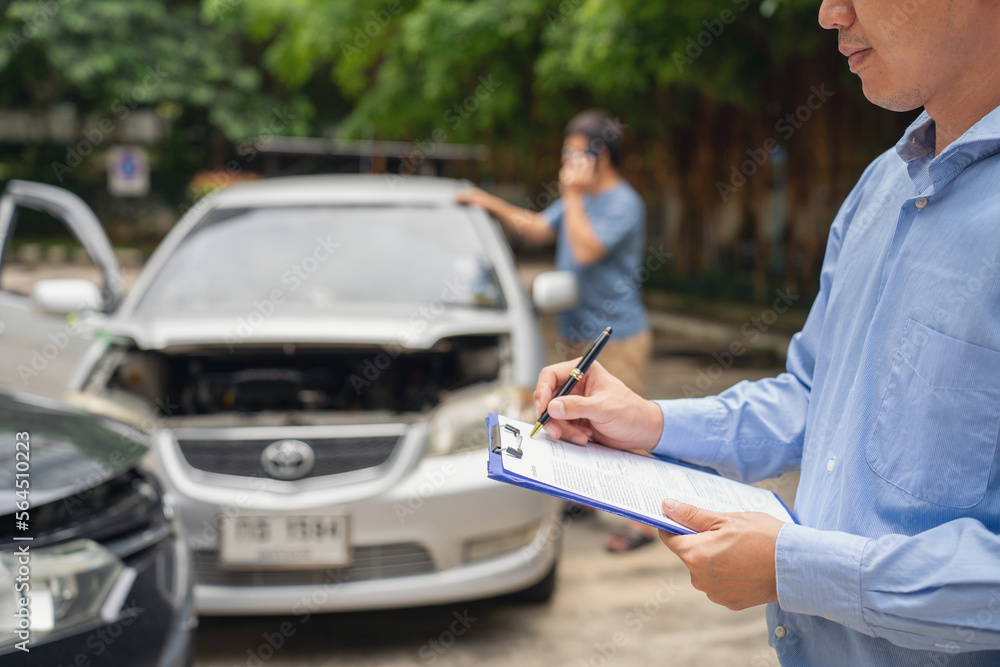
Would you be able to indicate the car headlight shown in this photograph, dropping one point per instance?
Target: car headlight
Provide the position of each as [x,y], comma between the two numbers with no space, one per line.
[52,588]
[459,424]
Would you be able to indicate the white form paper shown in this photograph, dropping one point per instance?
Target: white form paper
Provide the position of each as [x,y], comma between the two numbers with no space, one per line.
[627,480]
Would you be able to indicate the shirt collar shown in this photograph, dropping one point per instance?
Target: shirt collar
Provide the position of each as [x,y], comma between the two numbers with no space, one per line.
[917,148]
[918,140]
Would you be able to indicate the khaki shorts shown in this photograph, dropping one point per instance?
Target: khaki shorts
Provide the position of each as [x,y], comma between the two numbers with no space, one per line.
[626,359]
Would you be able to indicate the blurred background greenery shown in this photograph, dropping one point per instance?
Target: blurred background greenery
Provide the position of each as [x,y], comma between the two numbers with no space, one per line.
[741,176]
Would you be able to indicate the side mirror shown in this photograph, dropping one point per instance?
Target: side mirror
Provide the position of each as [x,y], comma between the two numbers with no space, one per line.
[64,296]
[555,291]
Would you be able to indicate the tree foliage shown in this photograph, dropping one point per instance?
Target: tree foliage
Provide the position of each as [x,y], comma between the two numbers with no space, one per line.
[102,52]
[405,63]
[701,85]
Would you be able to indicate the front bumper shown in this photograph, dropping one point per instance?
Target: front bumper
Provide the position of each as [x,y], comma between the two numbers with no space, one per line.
[497,576]
[410,533]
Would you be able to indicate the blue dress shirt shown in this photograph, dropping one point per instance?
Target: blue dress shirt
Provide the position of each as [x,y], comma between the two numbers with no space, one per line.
[890,407]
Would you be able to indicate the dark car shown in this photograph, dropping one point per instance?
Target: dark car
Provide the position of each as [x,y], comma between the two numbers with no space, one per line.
[92,568]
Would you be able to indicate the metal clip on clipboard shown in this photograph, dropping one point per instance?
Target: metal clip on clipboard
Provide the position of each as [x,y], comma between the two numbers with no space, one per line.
[498,445]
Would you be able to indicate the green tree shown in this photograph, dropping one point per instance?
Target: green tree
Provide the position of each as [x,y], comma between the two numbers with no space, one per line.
[108,58]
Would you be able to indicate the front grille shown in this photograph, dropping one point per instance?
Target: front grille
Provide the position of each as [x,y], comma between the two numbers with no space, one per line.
[333,455]
[128,504]
[367,563]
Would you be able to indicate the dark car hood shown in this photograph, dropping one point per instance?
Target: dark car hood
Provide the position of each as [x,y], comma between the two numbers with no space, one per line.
[71,450]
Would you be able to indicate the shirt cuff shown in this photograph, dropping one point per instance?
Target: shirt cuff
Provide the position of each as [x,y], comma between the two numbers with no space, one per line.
[692,430]
[551,222]
[819,573]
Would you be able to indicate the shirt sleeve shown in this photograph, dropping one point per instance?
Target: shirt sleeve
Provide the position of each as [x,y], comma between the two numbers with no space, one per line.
[554,214]
[619,219]
[755,430]
[935,591]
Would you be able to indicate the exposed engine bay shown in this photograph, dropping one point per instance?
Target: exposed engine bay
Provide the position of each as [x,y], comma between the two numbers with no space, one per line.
[300,378]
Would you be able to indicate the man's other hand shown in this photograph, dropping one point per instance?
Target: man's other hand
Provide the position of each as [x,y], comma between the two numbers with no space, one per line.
[474,196]
[731,557]
[600,407]
[577,174]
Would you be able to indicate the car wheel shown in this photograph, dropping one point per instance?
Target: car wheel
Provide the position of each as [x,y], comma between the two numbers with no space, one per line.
[539,593]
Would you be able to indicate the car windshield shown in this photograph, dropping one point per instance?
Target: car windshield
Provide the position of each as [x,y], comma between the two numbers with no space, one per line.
[325,257]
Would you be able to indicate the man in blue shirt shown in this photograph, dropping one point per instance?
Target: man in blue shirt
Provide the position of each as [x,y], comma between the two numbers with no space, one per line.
[890,405]
[599,225]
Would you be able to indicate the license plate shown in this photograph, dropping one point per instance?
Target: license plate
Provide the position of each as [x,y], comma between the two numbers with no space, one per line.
[280,541]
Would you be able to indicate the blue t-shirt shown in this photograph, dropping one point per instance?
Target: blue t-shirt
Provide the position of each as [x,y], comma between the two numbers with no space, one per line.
[611,288]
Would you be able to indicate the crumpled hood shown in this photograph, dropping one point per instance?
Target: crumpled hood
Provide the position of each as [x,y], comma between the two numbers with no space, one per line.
[70,450]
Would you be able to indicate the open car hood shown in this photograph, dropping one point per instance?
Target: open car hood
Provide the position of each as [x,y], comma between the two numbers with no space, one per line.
[406,328]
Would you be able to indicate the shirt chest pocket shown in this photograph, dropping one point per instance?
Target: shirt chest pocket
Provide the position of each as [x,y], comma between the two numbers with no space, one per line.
[935,434]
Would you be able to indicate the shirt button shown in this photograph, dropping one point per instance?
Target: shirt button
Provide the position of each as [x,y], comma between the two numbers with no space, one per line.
[779,631]
[829,465]
[921,203]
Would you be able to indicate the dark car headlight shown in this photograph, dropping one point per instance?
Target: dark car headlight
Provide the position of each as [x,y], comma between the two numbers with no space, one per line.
[60,586]
[73,573]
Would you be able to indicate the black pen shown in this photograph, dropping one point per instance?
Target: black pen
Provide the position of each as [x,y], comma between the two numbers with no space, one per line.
[576,375]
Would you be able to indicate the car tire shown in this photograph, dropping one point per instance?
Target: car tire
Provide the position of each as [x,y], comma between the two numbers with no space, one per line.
[539,593]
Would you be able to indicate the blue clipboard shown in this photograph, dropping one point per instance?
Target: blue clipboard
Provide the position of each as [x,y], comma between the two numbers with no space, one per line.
[495,470]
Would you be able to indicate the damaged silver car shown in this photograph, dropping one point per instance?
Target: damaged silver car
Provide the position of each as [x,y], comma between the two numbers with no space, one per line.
[315,358]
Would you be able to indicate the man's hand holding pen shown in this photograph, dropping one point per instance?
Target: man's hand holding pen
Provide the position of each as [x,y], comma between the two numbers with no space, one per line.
[600,407]
[731,557]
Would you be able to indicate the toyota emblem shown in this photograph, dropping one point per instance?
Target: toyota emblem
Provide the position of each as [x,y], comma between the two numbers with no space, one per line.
[288,459]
